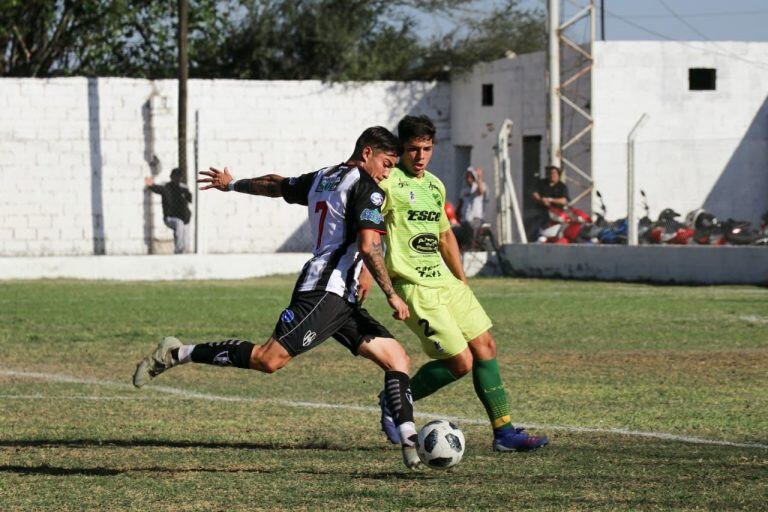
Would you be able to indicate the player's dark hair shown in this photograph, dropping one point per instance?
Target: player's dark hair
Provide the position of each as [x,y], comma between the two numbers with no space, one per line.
[176,173]
[416,127]
[377,138]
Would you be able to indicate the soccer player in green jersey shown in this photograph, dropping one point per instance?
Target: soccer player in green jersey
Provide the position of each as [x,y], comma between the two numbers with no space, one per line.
[424,263]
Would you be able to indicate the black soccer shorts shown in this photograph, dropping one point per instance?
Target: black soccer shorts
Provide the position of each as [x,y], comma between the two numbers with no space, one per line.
[313,317]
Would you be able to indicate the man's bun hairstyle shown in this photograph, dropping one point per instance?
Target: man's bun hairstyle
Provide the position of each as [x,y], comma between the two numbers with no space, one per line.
[416,127]
[377,138]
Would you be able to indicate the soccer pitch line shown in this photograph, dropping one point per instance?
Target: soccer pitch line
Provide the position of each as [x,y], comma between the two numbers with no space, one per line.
[194,395]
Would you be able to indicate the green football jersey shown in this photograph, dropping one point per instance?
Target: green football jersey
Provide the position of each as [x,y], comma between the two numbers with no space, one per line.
[414,215]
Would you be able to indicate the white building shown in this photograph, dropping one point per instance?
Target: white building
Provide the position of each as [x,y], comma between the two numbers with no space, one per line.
[74,151]
[705,143]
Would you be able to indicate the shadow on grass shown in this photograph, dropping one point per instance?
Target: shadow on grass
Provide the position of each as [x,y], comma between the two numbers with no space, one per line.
[167,443]
[45,469]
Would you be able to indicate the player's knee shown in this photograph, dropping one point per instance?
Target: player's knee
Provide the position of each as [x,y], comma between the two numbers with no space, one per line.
[262,362]
[400,361]
[483,347]
[461,364]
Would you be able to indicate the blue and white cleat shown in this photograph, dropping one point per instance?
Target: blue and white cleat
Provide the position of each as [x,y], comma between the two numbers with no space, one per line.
[515,440]
[387,421]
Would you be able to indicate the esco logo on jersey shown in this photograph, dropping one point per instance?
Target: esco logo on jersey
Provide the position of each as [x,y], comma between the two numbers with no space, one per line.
[374,216]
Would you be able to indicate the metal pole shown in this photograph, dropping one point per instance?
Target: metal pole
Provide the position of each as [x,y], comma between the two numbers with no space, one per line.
[197,191]
[554,82]
[631,215]
[602,20]
[183,75]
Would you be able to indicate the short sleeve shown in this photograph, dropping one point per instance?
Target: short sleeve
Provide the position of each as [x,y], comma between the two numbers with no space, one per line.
[295,190]
[364,206]
[443,224]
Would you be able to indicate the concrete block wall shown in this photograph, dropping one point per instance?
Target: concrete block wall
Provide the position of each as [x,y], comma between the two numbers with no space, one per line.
[74,153]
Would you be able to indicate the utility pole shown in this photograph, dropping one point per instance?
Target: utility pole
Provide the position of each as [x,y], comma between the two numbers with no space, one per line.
[554,82]
[183,6]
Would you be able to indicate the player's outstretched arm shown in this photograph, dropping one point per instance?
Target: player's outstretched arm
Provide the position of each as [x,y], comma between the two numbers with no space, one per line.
[268,185]
[370,247]
[449,250]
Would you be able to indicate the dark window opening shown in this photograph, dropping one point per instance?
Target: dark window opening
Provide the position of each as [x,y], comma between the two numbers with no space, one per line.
[702,79]
[487,95]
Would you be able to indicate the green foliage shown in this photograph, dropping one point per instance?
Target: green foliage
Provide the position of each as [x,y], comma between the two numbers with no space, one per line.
[258,39]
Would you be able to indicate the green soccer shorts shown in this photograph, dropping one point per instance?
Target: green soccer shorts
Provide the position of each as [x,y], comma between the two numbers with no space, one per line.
[444,318]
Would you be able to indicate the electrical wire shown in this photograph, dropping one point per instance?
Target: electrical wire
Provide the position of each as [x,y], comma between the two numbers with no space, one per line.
[631,23]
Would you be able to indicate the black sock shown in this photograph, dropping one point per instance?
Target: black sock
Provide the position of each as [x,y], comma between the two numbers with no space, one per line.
[223,353]
[398,396]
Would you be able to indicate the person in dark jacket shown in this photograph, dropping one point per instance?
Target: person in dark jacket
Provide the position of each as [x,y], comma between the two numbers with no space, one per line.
[176,214]
[549,191]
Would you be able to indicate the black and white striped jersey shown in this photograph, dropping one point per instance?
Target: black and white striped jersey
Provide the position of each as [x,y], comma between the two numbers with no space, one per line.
[342,201]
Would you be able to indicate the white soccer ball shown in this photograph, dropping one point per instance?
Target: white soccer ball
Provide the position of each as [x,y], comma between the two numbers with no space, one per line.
[440,444]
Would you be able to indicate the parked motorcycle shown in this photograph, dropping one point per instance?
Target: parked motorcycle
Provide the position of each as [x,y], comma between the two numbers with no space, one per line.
[707,230]
[608,232]
[564,226]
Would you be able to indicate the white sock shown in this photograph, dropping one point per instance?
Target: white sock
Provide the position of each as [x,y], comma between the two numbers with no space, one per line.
[185,351]
[407,431]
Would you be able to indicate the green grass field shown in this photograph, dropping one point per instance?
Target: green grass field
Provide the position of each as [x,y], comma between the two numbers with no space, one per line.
[581,360]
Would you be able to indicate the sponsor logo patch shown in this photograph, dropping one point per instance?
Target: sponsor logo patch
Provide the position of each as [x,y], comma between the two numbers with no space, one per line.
[374,216]
[291,181]
[411,197]
[328,183]
[287,316]
[377,199]
[309,337]
[222,359]
[425,243]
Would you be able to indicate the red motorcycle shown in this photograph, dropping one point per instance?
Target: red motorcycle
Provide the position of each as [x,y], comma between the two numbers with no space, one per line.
[564,226]
[668,230]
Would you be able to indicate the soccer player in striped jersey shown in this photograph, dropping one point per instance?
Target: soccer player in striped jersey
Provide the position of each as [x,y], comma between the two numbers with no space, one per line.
[424,263]
[346,223]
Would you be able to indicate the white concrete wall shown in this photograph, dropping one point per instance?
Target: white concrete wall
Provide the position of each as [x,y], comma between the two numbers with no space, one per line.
[698,148]
[74,152]
[519,94]
[682,264]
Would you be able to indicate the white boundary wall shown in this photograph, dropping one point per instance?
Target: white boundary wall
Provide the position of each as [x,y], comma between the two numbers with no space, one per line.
[649,263]
[74,153]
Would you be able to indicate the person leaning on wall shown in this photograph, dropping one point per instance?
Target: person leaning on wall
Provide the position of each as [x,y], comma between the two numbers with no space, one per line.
[176,213]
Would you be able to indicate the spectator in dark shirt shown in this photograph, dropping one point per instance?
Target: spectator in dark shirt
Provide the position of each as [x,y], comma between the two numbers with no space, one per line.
[176,213]
[549,191]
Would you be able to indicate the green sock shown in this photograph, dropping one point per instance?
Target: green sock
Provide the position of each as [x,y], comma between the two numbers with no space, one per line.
[490,390]
[430,377]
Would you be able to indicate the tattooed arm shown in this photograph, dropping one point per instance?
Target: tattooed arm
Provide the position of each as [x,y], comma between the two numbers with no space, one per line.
[370,247]
[268,185]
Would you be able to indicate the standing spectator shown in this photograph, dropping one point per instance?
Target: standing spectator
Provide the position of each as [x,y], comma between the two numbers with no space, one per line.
[176,213]
[471,206]
[549,191]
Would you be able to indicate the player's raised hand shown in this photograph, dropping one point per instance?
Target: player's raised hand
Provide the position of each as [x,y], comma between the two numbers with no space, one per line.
[401,308]
[215,179]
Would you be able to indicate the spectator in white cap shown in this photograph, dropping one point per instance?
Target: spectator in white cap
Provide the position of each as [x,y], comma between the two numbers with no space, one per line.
[471,206]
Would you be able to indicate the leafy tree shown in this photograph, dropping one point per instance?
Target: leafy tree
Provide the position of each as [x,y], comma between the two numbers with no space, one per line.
[257,39]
